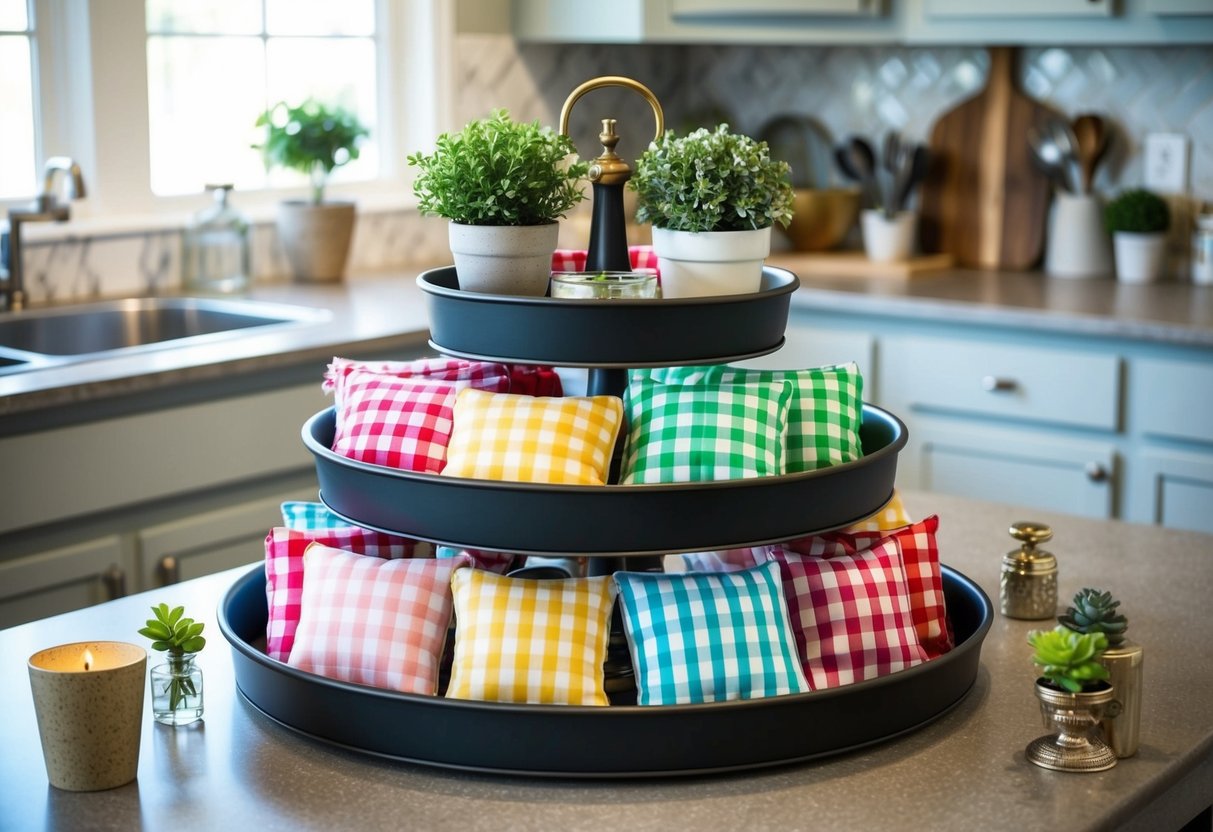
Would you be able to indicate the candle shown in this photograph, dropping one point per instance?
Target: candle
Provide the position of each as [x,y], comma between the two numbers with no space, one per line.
[88,698]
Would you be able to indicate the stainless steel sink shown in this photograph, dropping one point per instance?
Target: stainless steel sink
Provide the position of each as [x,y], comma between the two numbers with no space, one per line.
[59,335]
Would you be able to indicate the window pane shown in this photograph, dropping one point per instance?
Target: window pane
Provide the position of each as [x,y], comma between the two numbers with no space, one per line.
[335,72]
[203,96]
[13,16]
[224,17]
[320,17]
[18,177]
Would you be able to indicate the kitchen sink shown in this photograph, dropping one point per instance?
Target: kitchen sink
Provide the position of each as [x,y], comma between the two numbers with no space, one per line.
[58,335]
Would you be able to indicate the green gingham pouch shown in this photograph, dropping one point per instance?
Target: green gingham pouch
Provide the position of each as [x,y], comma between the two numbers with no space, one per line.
[702,432]
[823,417]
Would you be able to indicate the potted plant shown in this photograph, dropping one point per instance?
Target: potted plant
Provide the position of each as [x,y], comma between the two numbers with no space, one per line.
[712,197]
[1138,221]
[1095,611]
[177,684]
[313,139]
[1073,693]
[503,184]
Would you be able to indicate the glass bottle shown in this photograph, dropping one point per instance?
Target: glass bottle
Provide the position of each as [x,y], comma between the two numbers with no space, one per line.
[177,690]
[215,248]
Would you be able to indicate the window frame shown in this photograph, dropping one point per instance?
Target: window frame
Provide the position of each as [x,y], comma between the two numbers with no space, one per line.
[91,103]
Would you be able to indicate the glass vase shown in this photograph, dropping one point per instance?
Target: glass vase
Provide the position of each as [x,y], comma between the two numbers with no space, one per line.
[177,691]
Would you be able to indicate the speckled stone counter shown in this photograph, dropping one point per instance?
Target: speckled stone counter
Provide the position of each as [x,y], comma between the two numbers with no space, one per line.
[965,771]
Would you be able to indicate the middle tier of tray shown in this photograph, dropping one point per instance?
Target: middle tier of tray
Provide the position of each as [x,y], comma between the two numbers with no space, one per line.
[541,519]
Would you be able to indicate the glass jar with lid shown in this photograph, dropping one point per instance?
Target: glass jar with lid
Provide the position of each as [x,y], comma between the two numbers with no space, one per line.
[215,248]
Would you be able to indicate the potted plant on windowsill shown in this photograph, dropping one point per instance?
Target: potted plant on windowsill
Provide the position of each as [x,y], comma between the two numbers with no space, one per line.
[712,197]
[1138,221]
[1073,694]
[504,185]
[313,139]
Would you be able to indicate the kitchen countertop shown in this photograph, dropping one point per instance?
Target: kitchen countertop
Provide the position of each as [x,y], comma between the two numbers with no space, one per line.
[386,314]
[965,771]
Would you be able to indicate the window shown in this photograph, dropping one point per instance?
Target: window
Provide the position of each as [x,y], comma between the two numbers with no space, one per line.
[17,139]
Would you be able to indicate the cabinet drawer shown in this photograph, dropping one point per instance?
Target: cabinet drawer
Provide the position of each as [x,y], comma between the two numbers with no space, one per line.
[1172,398]
[1024,383]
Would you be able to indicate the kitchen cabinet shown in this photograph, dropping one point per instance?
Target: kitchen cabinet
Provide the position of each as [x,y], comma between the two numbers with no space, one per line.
[64,578]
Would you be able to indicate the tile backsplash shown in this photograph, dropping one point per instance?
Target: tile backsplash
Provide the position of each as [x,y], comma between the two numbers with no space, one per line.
[843,89]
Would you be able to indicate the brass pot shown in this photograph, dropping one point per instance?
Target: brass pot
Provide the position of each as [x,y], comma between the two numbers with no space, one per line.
[822,217]
[1075,745]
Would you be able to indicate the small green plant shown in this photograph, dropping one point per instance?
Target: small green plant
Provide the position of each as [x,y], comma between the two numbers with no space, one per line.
[711,180]
[172,633]
[1095,612]
[497,171]
[1068,659]
[1138,211]
[310,138]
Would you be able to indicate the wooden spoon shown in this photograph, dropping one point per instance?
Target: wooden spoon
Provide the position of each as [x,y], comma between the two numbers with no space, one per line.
[1091,137]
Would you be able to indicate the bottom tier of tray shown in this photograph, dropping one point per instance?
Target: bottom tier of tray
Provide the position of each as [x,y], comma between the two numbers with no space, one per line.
[617,741]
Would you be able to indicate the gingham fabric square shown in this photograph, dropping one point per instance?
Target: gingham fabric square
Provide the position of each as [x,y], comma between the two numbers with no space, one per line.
[525,640]
[307,516]
[395,422]
[374,622]
[728,560]
[709,637]
[486,375]
[534,380]
[533,439]
[695,433]
[824,414]
[851,614]
[892,515]
[284,550]
[920,560]
[499,562]
[574,260]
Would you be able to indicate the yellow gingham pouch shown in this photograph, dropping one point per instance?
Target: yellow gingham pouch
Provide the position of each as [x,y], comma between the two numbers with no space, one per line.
[503,436]
[891,516]
[532,641]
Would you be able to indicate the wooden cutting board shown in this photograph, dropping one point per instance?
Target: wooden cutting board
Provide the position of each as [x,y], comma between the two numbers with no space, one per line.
[983,200]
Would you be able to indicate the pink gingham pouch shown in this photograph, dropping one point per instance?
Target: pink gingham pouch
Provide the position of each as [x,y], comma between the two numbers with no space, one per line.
[400,423]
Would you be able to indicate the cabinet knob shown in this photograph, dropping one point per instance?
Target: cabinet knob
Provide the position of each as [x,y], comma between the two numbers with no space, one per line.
[1096,472]
[994,384]
[114,579]
[170,570]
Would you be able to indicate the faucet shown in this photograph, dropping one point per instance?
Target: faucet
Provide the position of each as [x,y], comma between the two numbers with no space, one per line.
[46,208]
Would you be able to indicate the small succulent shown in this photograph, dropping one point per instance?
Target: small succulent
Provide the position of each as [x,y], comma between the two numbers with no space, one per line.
[1095,612]
[172,633]
[1069,659]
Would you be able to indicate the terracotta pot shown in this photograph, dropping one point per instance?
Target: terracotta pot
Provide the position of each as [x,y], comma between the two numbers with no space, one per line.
[504,259]
[316,238]
[697,264]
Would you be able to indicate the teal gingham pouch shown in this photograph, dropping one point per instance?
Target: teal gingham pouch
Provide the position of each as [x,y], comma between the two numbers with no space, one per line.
[824,415]
[304,517]
[698,433]
[709,637]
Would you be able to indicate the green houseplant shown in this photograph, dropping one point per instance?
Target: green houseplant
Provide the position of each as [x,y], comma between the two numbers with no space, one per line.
[314,139]
[1138,220]
[177,684]
[1073,693]
[712,197]
[503,185]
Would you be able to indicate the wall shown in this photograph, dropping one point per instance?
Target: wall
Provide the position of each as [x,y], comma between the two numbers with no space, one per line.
[866,90]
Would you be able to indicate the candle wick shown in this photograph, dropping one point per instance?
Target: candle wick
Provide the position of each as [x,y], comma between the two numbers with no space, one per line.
[86,666]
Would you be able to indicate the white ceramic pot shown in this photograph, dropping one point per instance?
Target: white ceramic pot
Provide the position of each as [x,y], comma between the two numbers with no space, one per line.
[316,238]
[888,240]
[706,263]
[1140,258]
[504,259]
[1078,245]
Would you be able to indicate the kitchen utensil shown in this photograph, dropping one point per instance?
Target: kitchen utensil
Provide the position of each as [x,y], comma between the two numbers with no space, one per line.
[863,162]
[911,172]
[1063,137]
[821,218]
[1091,138]
[1049,158]
[983,200]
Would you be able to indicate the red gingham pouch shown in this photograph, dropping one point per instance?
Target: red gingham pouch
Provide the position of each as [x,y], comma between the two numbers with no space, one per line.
[850,614]
[924,579]
[284,573]
[396,422]
[485,375]
[573,260]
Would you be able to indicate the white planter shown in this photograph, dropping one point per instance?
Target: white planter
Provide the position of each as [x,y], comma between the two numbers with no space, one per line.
[316,238]
[888,240]
[504,259]
[705,263]
[1078,245]
[1140,258]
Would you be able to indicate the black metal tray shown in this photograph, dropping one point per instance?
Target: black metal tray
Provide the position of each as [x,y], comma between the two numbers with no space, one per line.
[615,741]
[614,333]
[609,519]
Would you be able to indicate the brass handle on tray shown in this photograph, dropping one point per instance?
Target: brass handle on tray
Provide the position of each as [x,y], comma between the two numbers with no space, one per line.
[608,168]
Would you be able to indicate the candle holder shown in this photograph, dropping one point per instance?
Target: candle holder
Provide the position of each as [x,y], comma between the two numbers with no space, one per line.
[88,697]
